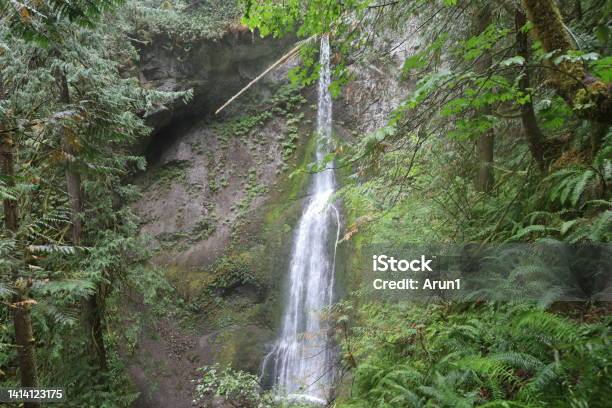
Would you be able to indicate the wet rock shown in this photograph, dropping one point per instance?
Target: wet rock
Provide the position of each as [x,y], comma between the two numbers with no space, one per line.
[214,69]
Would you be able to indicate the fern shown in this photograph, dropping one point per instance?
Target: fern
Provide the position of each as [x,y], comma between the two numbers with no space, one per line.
[542,378]
[580,186]
[491,356]
[523,361]
[570,184]
[5,291]
[63,249]
[67,287]
[566,226]
[528,230]
[553,330]
[601,230]
[6,192]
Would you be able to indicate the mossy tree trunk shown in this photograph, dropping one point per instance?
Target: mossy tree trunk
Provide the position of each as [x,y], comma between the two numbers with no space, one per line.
[533,134]
[91,311]
[21,303]
[590,97]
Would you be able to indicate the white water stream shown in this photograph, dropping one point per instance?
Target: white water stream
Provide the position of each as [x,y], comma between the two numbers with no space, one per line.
[300,364]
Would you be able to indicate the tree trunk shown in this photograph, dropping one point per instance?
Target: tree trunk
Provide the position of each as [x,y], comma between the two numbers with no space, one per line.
[485,180]
[533,134]
[91,313]
[590,97]
[20,307]
[11,212]
[486,143]
[93,317]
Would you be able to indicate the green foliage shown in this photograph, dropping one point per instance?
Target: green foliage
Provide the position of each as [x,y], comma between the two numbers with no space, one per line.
[183,22]
[602,67]
[204,228]
[307,73]
[239,389]
[169,173]
[412,181]
[39,21]
[87,129]
[228,273]
[291,134]
[462,355]
[304,17]
[284,102]
[570,185]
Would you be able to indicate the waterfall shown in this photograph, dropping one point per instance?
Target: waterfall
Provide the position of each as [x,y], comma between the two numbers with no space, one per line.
[300,364]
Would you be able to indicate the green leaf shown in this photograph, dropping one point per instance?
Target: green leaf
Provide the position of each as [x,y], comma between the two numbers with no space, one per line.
[528,230]
[566,226]
[516,60]
[580,186]
[602,68]
[416,61]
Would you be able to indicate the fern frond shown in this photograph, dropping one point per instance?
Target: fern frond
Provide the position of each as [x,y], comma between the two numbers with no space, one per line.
[68,287]
[580,185]
[602,227]
[64,249]
[551,328]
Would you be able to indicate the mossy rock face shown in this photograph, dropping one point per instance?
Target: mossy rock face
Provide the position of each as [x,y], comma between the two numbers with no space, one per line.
[209,184]
[214,68]
[241,347]
[236,301]
[187,282]
[241,294]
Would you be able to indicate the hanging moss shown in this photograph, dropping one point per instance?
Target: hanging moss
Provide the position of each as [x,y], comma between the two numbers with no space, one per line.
[590,97]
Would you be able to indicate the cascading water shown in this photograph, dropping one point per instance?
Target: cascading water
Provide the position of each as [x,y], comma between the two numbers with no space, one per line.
[301,361]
